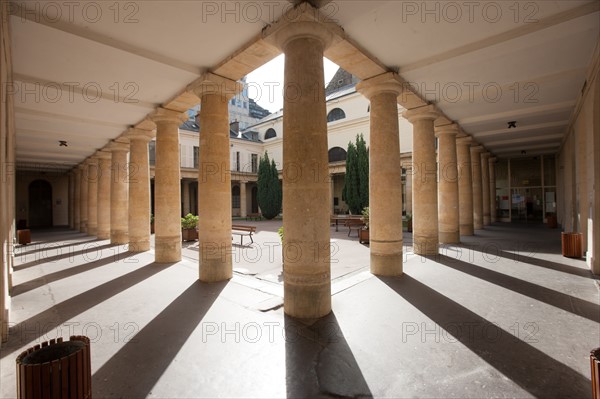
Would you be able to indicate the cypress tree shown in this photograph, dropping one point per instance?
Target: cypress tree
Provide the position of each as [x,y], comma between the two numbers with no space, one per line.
[351,194]
[363,171]
[269,189]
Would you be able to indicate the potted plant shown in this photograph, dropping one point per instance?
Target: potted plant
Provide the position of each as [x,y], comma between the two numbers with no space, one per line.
[409,222]
[188,227]
[363,234]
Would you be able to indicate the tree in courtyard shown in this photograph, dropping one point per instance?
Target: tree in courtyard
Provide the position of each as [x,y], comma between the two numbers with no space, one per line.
[356,187]
[269,189]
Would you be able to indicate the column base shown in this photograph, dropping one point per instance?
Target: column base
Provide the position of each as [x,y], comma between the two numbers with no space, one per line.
[307,296]
[83,227]
[167,249]
[478,226]
[486,220]
[216,269]
[426,246]
[119,237]
[92,230]
[449,237]
[386,265]
[466,230]
[139,246]
[103,235]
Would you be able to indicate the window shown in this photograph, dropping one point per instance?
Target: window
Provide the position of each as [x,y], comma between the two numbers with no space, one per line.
[270,134]
[254,163]
[337,154]
[196,157]
[237,161]
[152,152]
[235,197]
[335,115]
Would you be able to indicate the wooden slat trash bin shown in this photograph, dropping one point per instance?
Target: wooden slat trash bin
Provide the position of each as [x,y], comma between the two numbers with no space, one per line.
[595,366]
[56,369]
[571,245]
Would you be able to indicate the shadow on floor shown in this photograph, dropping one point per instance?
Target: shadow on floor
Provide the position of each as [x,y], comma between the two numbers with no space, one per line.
[319,362]
[36,326]
[25,250]
[549,296]
[71,271]
[89,252]
[533,370]
[133,371]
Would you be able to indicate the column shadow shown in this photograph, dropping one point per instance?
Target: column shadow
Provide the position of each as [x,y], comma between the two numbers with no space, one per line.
[319,363]
[547,264]
[530,368]
[133,371]
[41,246]
[69,253]
[549,296]
[69,272]
[36,326]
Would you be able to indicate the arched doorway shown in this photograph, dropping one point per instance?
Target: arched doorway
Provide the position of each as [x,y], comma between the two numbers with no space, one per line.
[40,204]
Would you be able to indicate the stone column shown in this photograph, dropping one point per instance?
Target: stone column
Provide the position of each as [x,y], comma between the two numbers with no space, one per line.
[119,215]
[408,191]
[243,200]
[307,273]
[493,205]
[83,195]
[425,205]
[214,178]
[185,185]
[477,188]
[139,190]
[385,174]
[103,202]
[485,187]
[71,199]
[465,186]
[77,198]
[92,177]
[167,186]
[448,207]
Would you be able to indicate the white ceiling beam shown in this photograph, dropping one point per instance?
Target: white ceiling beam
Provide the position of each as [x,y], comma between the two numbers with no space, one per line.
[522,111]
[527,128]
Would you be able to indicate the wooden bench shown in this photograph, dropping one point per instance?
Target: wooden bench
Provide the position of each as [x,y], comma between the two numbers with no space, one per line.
[243,231]
[253,216]
[354,224]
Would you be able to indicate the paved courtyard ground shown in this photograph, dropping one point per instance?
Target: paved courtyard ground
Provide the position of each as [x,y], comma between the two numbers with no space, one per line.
[501,315]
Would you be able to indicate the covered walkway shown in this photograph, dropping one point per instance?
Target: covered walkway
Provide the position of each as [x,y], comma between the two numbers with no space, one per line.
[503,314]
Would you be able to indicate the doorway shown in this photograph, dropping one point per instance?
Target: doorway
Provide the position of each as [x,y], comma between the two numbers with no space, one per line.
[40,204]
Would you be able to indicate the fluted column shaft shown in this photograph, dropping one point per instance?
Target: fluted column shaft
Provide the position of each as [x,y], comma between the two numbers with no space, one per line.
[83,198]
[167,186]
[477,187]
[119,216]
[214,180]
[448,207]
[385,175]
[425,205]
[465,186]
[485,187]
[92,177]
[103,202]
[493,204]
[139,190]
[307,273]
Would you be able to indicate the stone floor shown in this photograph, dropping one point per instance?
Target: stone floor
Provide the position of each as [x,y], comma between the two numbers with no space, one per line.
[501,315]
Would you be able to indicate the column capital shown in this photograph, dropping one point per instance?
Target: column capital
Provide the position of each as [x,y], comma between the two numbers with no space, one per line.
[427,112]
[92,160]
[210,83]
[103,154]
[168,116]
[120,144]
[447,130]
[388,82]
[492,160]
[477,148]
[140,134]
[299,30]
[486,155]
[465,140]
